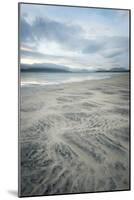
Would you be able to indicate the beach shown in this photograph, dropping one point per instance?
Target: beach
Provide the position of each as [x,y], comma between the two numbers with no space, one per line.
[74,137]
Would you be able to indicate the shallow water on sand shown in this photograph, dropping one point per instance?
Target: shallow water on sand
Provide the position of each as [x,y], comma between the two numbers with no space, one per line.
[32,78]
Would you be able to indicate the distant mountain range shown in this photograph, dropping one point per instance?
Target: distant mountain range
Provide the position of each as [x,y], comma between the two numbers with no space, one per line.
[54,68]
[115,69]
[46,69]
[43,67]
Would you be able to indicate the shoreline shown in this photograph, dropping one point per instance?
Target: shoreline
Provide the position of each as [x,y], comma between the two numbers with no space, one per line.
[37,84]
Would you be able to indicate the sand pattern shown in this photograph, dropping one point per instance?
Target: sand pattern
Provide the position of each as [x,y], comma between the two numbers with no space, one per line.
[75,137]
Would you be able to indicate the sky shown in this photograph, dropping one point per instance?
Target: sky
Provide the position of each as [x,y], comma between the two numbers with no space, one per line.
[74,37]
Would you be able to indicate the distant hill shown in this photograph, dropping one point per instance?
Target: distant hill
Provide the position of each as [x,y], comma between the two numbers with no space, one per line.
[44,67]
[55,68]
[115,69]
[119,70]
[50,68]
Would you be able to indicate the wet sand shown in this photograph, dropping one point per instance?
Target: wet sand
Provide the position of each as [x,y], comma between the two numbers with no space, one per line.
[75,137]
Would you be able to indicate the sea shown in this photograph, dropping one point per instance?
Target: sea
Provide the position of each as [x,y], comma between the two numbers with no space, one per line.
[40,78]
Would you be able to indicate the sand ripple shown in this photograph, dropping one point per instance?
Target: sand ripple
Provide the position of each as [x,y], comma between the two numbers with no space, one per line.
[78,142]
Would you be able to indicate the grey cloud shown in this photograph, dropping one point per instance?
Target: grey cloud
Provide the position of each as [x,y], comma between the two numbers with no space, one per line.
[54,30]
[93,46]
[118,41]
[37,55]
[107,46]
[111,53]
[122,59]
[47,29]
[68,36]
[32,54]
[26,31]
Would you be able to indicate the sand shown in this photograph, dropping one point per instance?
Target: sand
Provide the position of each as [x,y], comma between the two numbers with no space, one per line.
[75,137]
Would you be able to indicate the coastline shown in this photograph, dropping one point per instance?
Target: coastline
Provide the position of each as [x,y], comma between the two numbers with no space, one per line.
[46,79]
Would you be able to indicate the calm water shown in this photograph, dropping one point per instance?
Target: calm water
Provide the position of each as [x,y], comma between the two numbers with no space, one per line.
[32,78]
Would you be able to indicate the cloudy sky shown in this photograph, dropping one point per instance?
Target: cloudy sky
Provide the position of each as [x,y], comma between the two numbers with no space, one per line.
[86,38]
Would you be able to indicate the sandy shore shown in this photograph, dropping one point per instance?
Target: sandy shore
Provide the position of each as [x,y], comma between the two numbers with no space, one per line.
[75,137]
